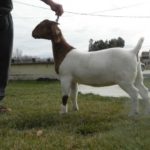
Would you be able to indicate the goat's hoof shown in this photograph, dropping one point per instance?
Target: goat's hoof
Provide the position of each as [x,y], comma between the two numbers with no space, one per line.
[133,114]
[63,110]
[75,108]
[147,112]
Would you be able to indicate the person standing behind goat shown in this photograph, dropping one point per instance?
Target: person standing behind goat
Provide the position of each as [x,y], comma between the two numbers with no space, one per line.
[6,40]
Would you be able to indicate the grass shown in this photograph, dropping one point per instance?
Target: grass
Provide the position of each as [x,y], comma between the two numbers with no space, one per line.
[101,124]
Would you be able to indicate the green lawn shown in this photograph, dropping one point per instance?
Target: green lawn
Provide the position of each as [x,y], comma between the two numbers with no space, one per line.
[102,123]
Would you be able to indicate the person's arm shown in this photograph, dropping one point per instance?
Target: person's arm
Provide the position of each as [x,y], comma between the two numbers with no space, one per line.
[55,7]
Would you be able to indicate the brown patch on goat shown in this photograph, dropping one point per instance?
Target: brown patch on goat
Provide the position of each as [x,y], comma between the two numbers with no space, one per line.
[60,50]
[49,30]
[64,100]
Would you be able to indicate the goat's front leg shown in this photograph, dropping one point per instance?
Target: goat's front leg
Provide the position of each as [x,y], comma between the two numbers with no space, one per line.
[65,87]
[74,95]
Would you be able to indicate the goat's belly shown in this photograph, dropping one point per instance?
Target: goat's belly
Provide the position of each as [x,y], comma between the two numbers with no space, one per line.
[95,81]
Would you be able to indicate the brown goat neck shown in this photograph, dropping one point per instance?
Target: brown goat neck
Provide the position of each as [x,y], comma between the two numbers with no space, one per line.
[60,50]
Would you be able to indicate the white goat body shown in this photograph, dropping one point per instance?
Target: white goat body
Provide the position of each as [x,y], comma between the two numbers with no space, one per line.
[101,68]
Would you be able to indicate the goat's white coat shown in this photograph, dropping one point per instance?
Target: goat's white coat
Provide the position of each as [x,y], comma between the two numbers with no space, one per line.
[102,68]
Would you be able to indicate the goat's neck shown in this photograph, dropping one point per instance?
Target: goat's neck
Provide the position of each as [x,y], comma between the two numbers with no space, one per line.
[60,50]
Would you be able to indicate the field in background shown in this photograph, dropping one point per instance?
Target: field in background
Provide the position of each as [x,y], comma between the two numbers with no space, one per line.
[102,123]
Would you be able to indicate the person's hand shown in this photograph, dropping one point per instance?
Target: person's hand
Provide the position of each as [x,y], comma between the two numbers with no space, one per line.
[57,8]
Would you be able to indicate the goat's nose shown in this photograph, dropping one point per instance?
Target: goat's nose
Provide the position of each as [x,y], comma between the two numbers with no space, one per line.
[34,34]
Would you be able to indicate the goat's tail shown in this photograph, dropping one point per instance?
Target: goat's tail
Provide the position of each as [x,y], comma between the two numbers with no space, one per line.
[138,46]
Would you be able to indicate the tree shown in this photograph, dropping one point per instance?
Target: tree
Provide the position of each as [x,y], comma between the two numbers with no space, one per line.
[17,55]
[120,42]
[99,45]
[90,44]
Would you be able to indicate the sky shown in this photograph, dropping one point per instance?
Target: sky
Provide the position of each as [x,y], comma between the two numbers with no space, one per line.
[81,21]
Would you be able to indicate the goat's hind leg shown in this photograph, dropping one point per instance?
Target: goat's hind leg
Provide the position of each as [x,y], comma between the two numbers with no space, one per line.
[144,94]
[143,91]
[133,93]
[74,95]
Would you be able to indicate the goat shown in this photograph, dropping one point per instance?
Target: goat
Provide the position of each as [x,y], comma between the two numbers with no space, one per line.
[100,68]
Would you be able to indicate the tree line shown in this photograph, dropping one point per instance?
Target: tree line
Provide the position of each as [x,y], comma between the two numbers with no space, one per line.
[100,44]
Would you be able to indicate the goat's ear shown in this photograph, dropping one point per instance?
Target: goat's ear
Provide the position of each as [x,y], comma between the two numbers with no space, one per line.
[56,34]
[58,38]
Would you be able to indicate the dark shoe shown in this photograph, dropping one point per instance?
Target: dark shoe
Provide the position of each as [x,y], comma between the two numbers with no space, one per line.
[1,97]
[2,94]
[4,109]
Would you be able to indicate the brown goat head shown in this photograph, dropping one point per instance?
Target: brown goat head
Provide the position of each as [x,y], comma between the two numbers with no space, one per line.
[47,30]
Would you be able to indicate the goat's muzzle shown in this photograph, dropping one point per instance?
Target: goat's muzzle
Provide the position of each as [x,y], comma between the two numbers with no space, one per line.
[34,34]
